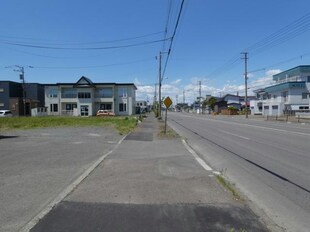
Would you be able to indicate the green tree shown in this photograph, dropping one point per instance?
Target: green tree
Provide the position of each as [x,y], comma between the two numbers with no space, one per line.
[210,102]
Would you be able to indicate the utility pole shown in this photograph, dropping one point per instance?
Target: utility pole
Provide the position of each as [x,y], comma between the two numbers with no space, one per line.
[21,70]
[246,81]
[22,78]
[159,88]
[183,97]
[155,97]
[199,97]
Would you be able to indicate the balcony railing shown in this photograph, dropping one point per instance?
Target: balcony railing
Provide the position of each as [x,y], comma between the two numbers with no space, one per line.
[68,95]
[67,112]
[103,96]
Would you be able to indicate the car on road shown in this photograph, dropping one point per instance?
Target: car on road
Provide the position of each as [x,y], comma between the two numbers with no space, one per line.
[105,113]
[5,113]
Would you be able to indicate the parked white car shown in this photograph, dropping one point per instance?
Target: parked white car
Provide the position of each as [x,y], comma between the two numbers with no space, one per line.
[5,113]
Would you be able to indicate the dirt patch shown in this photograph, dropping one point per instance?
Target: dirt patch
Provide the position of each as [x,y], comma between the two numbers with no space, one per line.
[168,134]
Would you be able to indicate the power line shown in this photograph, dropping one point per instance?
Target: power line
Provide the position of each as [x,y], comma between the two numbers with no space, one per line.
[286,33]
[167,23]
[173,36]
[280,63]
[85,48]
[77,43]
[91,67]
[292,30]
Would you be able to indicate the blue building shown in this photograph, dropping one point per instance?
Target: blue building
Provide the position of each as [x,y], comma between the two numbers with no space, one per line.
[289,94]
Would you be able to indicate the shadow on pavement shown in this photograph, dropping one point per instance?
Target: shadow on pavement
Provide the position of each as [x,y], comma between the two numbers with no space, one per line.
[8,137]
[80,216]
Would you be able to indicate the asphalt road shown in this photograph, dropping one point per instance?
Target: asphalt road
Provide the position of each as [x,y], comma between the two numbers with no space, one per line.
[268,161]
[37,165]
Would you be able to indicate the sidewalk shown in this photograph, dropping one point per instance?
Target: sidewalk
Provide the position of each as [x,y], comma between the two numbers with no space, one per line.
[150,184]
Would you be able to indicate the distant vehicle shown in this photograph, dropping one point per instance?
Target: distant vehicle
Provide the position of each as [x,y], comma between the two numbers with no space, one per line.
[105,113]
[5,113]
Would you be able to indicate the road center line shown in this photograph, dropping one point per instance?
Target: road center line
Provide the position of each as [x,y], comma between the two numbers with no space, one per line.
[239,136]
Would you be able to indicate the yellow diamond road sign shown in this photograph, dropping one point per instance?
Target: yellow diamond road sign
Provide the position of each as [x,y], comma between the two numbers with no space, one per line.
[167,102]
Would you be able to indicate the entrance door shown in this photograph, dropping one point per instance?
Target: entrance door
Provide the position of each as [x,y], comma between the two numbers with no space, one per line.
[84,110]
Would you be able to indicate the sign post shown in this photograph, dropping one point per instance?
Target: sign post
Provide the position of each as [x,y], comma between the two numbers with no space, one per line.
[168,103]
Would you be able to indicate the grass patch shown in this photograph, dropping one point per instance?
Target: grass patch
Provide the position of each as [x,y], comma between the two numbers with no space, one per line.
[122,124]
[228,186]
[169,132]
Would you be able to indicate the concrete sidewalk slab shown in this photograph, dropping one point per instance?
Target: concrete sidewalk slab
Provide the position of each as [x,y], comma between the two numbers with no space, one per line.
[150,184]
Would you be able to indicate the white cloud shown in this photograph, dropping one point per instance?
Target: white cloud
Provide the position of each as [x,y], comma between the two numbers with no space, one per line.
[145,92]
[263,81]
[273,72]
[136,81]
[191,91]
[176,82]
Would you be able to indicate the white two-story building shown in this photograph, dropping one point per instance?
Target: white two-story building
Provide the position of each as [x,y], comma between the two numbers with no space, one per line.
[85,98]
[290,93]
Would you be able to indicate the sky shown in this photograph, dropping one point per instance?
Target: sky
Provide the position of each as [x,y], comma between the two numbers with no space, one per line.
[119,41]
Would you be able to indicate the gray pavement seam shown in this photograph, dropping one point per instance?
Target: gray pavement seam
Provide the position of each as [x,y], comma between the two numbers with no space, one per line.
[67,190]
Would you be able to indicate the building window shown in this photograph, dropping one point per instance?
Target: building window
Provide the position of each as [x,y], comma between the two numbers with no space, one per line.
[122,107]
[304,95]
[308,79]
[68,93]
[284,95]
[1,104]
[70,107]
[84,95]
[53,93]
[122,92]
[1,90]
[54,107]
[106,106]
[105,93]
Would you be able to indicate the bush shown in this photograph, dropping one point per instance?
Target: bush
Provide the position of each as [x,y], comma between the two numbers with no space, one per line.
[232,108]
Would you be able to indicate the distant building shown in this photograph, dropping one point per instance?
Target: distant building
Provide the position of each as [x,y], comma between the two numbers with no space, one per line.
[232,100]
[12,98]
[142,107]
[85,98]
[289,94]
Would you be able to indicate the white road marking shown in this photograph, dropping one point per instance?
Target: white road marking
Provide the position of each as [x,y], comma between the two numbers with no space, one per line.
[79,142]
[111,142]
[239,136]
[95,135]
[66,191]
[198,159]
[216,173]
